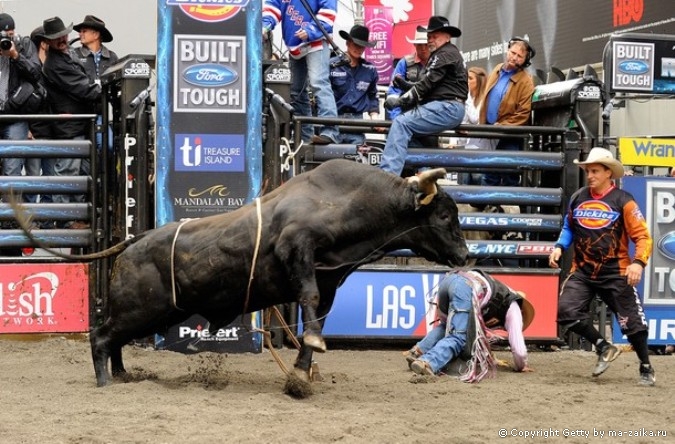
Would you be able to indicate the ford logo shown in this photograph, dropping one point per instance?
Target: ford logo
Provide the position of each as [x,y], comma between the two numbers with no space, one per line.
[209,74]
[666,245]
[633,67]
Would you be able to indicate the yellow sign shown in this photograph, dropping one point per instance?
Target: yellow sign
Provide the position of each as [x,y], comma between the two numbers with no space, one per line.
[647,151]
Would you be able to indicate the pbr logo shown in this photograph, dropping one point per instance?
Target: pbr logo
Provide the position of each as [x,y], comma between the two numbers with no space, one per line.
[594,214]
[209,11]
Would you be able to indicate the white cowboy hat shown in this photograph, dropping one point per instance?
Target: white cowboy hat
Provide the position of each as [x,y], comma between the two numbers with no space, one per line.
[419,39]
[604,157]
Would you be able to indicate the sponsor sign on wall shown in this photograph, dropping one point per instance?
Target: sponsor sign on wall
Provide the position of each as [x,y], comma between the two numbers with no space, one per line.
[647,151]
[209,101]
[194,335]
[390,304]
[656,197]
[209,127]
[379,23]
[44,298]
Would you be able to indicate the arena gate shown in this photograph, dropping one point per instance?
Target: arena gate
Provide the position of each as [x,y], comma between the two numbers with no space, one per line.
[390,300]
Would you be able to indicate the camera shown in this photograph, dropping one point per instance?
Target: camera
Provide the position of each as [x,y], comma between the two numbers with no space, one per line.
[6,40]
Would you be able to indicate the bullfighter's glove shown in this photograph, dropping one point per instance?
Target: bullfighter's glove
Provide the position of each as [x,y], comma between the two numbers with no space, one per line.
[402,84]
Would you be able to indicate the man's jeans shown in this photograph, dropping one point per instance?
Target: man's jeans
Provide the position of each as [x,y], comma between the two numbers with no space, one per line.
[313,70]
[438,347]
[15,166]
[67,167]
[352,138]
[430,118]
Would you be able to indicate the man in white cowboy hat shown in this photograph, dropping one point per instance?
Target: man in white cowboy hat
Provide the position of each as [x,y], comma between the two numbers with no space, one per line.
[93,54]
[355,84]
[409,68]
[496,306]
[600,223]
[70,91]
[433,104]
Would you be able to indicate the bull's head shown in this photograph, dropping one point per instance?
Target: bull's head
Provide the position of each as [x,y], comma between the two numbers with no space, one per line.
[439,238]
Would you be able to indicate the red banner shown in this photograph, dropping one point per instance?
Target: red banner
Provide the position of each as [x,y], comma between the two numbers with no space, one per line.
[44,298]
[406,16]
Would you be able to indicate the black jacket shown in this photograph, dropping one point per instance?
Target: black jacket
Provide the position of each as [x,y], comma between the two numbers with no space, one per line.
[108,58]
[25,69]
[70,91]
[445,76]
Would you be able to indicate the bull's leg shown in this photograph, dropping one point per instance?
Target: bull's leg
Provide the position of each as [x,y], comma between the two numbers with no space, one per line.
[295,250]
[116,363]
[100,354]
[328,284]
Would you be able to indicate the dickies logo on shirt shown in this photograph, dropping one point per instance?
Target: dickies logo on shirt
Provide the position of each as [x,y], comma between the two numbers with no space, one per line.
[594,214]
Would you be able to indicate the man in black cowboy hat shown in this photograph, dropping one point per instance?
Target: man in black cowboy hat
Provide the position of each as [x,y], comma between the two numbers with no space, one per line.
[70,91]
[433,104]
[93,53]
[96,58]
[354,83]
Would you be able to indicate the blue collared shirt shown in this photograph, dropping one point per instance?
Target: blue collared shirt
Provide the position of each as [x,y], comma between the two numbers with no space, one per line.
[355,89]
[496,94]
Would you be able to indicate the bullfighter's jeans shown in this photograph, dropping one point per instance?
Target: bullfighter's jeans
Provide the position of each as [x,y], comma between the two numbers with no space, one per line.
[313,69]
[441,347]
[430,118]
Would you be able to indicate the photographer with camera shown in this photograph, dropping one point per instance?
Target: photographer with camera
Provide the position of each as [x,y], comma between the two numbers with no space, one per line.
[20,93]
[433,104]
[354,82]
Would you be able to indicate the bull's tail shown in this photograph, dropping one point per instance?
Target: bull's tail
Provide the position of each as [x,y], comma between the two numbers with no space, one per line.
[23,219]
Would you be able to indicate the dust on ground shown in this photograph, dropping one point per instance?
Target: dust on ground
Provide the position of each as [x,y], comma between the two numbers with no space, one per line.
[49,395]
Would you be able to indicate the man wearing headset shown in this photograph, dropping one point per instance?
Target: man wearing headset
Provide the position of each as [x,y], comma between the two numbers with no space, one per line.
[508,102]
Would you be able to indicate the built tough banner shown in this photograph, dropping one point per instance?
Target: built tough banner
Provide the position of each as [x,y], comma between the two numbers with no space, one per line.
[209,97]
[656,197]
[209,126]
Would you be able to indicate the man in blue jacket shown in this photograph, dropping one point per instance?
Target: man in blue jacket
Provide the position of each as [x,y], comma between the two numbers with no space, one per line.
[355,84]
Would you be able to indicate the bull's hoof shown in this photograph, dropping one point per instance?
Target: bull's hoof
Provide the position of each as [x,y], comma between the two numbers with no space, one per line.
[297,385]
[315,342]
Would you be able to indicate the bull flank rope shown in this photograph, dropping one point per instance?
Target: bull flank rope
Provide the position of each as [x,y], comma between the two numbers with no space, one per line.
[173,269]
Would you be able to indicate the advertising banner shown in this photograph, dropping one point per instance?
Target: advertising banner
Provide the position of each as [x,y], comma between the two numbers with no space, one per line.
[399,304]
[44,298]
[656,198]
[647,151]
[406,16]
[194,336]
[379,23]
[643,63]
[209,122]
[209,97]
[565,34]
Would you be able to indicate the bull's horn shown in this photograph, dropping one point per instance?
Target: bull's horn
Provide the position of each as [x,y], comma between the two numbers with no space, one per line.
[427,183]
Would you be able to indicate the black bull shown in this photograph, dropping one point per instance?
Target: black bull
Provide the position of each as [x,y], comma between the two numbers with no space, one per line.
[301,240]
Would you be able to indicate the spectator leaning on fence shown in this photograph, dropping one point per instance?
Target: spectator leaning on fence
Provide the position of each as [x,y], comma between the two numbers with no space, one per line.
[70,91]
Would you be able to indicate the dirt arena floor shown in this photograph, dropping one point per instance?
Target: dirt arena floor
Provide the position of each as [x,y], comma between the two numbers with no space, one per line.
[48,395]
